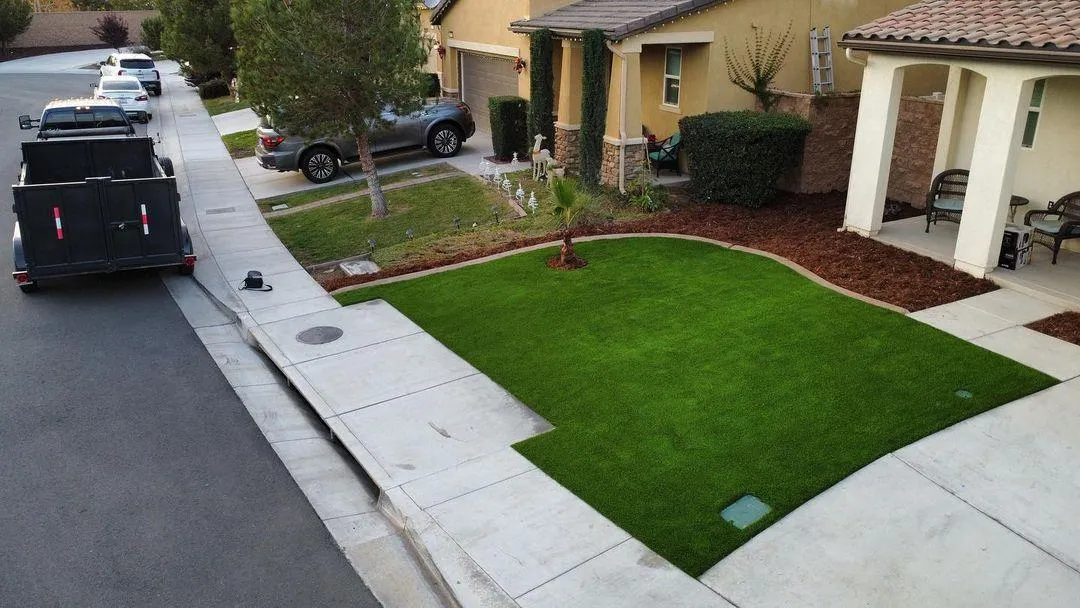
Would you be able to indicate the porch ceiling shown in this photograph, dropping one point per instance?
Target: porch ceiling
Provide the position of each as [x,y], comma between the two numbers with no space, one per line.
[1042,30]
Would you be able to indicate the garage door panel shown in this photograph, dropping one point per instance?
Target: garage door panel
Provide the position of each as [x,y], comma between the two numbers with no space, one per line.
[484,77]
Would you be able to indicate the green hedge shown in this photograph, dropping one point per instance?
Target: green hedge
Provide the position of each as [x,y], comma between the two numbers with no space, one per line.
[214,88]
[593,104]
[151,32]
[433,88]
[509,126]
[541,88]
[737,157]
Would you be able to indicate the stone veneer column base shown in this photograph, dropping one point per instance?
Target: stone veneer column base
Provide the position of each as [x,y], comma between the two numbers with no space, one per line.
[568,148]
[609,165]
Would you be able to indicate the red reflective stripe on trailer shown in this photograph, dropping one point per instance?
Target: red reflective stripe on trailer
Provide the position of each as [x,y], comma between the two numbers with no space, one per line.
[59,225]
[145,223]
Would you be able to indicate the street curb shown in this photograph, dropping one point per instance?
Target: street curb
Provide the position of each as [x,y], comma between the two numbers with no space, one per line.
[606,237]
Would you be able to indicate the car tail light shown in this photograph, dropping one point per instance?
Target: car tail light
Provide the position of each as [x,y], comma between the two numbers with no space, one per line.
[189,261]
[20,277]
[157,75]
[464,108]
[119,72]
[271,141]
[143,97]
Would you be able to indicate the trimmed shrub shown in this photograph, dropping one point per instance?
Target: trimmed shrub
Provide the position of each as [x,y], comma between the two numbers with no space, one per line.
[111,30]
[213,88]
[737,157]
[509,126]
[433,88]
[151,32]
[593,105]
[542,88]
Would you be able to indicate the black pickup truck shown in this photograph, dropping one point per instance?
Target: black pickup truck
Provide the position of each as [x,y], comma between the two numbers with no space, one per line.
[95,205]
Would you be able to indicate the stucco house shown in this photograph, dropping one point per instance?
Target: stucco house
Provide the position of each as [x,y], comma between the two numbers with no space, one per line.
[667,59]
[1011,112]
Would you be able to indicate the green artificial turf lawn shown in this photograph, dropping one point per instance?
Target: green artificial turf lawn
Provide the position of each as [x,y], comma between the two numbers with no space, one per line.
[221,105]
[311,195]
[681,376]
[240,144]
[341,230]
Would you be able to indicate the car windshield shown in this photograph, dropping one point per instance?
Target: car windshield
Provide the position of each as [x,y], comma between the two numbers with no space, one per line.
[120,85]
[137,64]
[63,119]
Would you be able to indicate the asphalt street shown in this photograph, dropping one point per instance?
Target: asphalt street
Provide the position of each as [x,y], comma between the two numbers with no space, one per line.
[130,473]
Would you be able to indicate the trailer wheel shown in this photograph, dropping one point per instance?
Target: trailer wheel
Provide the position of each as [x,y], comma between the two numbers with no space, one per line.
[166,165]
[30,287]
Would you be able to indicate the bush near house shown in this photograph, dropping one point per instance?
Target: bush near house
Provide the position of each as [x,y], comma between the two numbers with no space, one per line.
[433,87]
[509,126]
[151,32]
[111,30]
[213,88]
[595,60]
[541,88]
[737,157]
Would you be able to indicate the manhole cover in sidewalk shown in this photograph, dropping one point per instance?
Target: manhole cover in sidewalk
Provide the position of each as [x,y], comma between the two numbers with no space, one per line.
[320,334]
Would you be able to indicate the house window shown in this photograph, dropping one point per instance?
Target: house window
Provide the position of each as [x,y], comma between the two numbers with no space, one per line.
[672,76]
[1033,113]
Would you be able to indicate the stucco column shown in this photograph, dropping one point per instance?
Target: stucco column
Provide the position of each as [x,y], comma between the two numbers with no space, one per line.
[871,157]
[623,119]
[570,85]
[993,167]
[950,111]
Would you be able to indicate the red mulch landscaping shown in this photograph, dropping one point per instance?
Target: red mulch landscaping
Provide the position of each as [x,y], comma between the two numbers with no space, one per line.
[1063,326]
[799,227]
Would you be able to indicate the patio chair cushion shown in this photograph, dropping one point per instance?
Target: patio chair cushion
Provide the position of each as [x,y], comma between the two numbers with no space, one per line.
[1051,226]
[949,204]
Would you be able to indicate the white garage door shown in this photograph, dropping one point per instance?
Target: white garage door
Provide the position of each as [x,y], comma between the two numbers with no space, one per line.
[483,77]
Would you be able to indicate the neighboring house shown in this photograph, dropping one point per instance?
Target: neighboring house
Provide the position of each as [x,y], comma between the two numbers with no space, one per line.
[430,34]
[672,54]
[1011,113]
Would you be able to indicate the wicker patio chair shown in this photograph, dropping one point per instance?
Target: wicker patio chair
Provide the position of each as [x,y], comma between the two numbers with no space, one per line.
[1058,223]
[945,201]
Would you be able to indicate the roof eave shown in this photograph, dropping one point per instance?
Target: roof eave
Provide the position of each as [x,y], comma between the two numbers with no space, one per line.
[969,51]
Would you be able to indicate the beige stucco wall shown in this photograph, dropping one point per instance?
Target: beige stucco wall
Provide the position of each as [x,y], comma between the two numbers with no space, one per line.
[483,26]
[658,118]
[1051,167]
[73,28]
[431,35]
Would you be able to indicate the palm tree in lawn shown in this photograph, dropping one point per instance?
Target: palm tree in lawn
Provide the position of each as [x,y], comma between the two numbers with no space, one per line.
[570,205]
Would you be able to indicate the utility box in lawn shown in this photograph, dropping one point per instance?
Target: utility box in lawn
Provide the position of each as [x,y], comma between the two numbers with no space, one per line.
[96,205]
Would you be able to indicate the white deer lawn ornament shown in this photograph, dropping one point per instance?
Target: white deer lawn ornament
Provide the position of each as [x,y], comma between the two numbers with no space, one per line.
[540,159]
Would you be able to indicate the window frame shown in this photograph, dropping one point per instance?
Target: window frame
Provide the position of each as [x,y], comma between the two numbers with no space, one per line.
[676,77]
[1036,109]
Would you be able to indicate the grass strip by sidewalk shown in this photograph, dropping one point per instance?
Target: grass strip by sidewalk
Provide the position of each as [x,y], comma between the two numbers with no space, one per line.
[221,105]
[681,376]
[314,195]
[341,230]
[240,144]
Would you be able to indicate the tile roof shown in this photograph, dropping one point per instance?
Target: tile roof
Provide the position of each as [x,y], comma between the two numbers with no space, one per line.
[617,18]
[1046,26]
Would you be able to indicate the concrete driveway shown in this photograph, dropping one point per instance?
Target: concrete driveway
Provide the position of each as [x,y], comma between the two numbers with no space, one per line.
[264,183]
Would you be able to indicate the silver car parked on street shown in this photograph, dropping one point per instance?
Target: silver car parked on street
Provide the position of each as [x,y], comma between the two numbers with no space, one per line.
[442,127]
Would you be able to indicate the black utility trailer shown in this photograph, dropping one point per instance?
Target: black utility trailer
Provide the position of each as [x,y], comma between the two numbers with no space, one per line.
[96,205]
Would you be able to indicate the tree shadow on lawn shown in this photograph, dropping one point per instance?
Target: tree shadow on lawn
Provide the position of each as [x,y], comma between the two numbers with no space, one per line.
[680,376]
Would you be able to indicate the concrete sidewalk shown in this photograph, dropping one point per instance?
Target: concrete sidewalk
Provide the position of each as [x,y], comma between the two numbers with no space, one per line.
[429,429]
[975,515]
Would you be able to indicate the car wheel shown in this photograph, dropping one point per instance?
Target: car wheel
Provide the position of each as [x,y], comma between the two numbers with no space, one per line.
[444,140]
[319,165]
[30,287]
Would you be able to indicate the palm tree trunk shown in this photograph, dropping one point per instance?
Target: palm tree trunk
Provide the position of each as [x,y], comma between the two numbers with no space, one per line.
[566,252]
[367,163]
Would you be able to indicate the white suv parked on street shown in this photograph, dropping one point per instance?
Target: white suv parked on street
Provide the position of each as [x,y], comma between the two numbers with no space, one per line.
[133,64]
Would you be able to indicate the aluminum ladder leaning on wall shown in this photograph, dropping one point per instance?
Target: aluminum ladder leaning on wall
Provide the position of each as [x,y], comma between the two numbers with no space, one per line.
[821,60]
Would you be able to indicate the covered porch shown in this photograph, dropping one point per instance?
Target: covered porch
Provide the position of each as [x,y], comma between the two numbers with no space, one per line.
[1014,125]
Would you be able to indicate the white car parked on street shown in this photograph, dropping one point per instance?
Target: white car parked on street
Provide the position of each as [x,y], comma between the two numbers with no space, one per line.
[129,93]
[133,64]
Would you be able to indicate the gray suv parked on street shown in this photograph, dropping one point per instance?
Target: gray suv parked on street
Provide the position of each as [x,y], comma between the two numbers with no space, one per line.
[441,127]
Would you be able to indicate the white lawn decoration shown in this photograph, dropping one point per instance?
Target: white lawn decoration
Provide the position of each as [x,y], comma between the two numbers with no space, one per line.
[540,159]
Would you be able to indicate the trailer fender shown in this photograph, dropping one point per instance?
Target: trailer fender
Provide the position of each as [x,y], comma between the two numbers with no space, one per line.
[189,249]
[17,251]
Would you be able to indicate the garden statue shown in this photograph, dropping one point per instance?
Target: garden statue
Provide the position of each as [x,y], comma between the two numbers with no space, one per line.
[540,158]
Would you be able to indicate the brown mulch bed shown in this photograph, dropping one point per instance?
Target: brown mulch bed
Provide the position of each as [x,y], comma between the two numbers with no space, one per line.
[1063,326]
[22,53]
[799,227]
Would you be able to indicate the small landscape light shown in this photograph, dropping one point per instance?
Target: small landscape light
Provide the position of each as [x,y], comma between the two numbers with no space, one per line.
[409,234]
[495,212]
[457,222]
[371,243]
